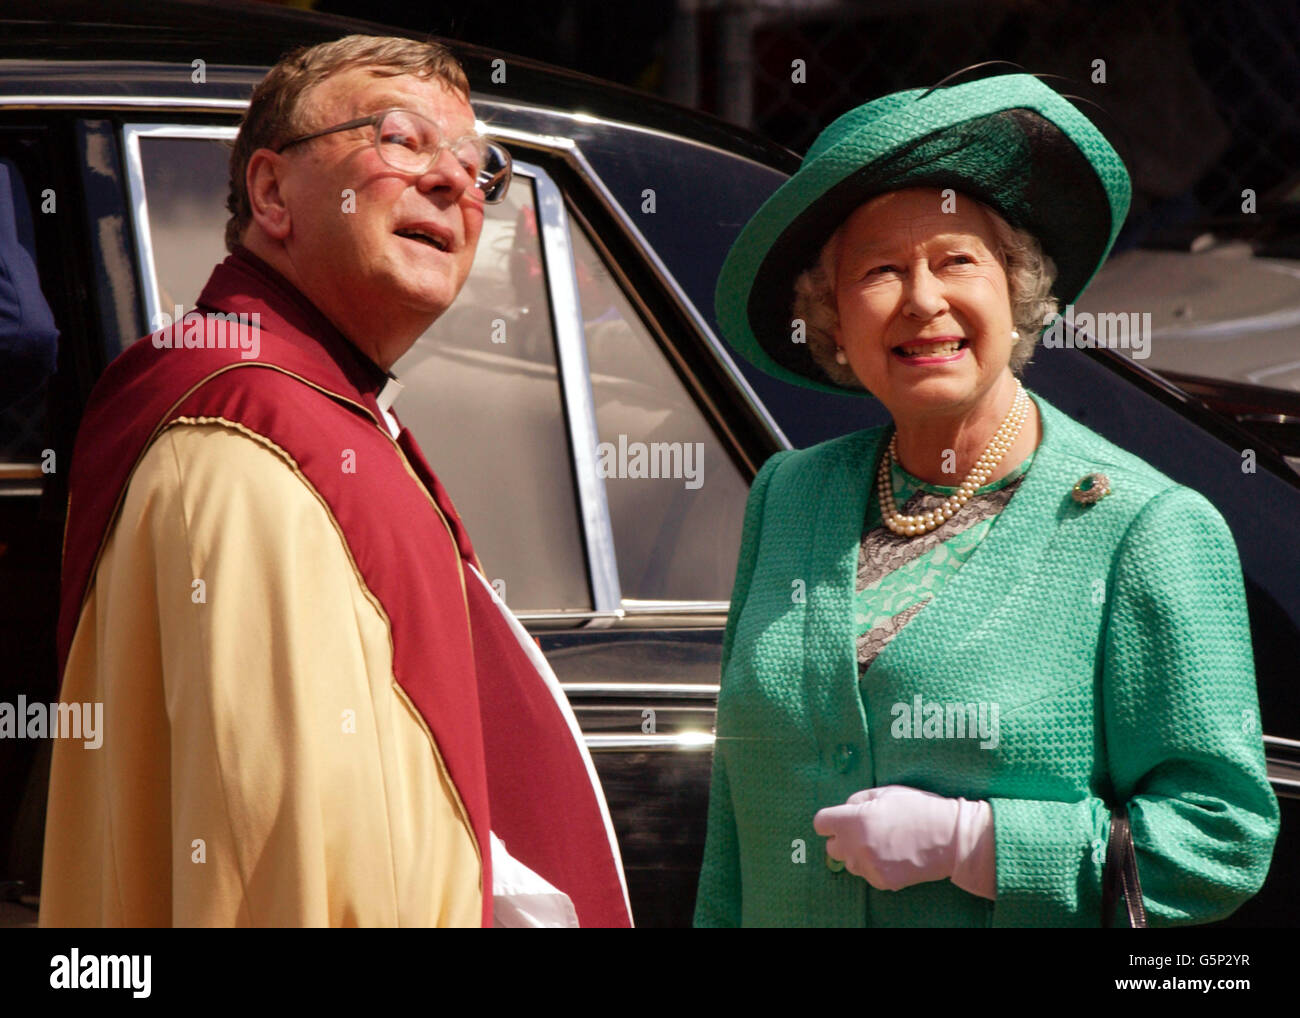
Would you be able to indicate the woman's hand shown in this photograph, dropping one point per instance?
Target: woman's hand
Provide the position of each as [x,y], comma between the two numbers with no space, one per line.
[895,836]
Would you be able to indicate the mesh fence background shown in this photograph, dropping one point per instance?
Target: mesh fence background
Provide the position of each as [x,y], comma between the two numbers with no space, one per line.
[1201,100]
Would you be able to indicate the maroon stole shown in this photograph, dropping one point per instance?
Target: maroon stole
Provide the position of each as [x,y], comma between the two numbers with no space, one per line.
[505,742]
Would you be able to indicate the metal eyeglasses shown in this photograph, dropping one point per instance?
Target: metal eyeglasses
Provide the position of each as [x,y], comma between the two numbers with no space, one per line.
[411,143]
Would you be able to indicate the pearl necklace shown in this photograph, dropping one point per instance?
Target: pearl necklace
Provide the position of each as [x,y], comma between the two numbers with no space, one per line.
[912,526]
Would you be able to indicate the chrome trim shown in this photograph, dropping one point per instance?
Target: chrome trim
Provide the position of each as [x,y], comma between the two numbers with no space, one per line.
[622,125]
[487,127]
[20,471]
[1286,760]
[129,101]
[190,104]
[580,615]
[687,305]
[684,741]
[643,690]
[1288,787]
[131,135]
[630,610]
[579,401]
[1258,418]
[632,606]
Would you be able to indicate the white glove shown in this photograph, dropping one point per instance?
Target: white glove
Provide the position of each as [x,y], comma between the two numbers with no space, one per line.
[895,836]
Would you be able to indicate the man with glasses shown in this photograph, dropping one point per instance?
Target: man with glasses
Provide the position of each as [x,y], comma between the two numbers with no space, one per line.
[315,710]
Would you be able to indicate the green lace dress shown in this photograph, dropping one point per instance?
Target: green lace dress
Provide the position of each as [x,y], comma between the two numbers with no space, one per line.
[898,576]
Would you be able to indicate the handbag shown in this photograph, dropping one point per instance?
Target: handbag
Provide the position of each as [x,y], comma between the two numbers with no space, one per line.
[1120,875]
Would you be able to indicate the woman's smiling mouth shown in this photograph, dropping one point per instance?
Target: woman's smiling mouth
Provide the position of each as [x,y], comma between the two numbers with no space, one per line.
[940,351]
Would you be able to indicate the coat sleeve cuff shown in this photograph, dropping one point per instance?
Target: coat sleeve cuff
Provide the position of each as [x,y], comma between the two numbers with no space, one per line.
[1050,859]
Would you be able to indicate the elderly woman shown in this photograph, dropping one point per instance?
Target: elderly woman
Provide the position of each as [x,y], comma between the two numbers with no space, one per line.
[883,760]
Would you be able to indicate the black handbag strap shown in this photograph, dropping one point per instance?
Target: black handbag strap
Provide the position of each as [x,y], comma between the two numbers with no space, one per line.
[1120,876]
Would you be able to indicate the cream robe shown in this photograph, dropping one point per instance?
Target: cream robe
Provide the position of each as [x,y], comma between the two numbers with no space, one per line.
[303,788]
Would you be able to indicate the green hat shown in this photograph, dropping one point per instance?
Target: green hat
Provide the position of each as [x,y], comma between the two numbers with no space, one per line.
[1009,141]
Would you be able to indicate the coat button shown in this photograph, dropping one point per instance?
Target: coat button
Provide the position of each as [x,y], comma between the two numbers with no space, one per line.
[845,757]
[834,865]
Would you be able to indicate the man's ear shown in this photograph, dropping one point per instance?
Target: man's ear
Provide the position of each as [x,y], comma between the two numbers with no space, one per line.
[266,202]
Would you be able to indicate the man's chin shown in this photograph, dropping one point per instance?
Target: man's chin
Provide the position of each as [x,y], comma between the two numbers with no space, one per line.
[425,296]
[428,310]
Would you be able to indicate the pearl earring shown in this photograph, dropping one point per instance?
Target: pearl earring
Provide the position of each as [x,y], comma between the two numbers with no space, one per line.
[840,356]
[1015,334]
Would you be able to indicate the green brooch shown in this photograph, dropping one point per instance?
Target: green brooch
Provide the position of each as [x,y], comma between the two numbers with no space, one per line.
[1091,488]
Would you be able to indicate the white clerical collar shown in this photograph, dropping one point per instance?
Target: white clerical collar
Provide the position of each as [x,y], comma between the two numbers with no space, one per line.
[386,397]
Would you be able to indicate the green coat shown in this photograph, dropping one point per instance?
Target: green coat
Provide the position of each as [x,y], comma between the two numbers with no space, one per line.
[1112,640]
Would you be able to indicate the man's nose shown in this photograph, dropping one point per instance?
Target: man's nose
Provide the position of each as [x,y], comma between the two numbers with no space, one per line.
[924,293]
[446,172]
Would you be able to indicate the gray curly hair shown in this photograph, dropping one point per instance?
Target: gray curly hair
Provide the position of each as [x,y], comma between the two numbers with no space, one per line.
[1030,275]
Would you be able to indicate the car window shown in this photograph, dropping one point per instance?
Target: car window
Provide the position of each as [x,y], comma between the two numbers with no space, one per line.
[676,499]
[482,393]
[179,196]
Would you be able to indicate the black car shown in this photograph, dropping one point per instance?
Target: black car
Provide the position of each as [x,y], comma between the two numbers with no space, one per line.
[586,333]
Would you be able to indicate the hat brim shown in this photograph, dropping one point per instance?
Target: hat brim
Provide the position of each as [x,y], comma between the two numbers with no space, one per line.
[1010,142]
